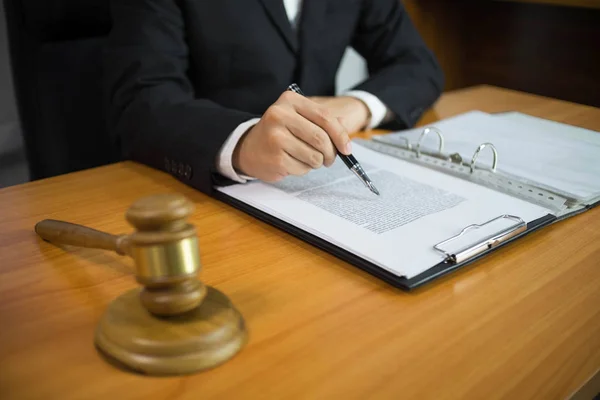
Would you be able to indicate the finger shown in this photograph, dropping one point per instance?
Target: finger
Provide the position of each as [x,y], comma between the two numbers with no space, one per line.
[314,136]
[295,167]
[320,116]
[335,130]
[303,152]
[320,100]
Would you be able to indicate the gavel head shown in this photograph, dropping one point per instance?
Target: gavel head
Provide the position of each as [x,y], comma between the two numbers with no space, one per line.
[164,248]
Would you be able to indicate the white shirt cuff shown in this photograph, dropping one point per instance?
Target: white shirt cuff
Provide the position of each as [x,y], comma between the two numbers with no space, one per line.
[377,109]
[224,159]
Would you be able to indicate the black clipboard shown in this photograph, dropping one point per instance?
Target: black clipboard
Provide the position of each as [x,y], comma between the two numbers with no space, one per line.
[435,272]
[453,260]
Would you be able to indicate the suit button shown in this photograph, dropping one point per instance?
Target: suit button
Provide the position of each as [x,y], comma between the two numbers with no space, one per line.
[173,167]
[180,170]
[167,164]
[188,172]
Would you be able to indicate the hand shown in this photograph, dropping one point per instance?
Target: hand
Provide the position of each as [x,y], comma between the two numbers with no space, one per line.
[294,136]
[350,111]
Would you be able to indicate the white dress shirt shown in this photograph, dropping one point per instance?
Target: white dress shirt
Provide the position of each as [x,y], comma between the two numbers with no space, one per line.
[377,109]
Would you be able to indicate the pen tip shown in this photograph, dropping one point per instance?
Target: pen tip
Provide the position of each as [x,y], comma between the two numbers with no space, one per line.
[374,189]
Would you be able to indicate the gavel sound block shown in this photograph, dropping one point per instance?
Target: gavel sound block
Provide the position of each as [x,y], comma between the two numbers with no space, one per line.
[174,324]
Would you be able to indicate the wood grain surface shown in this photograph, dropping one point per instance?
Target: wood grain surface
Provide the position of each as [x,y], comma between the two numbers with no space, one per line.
[524,323]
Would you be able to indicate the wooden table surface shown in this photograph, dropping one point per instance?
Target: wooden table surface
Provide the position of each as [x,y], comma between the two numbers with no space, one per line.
[522,324]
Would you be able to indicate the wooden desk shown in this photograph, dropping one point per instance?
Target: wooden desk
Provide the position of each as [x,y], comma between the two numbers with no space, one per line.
[524,323]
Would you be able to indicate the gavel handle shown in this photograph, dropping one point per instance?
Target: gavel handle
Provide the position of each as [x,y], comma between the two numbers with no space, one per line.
[61,232]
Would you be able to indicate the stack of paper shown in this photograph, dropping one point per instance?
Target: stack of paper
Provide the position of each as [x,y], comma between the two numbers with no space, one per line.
[397,231]
[554,156]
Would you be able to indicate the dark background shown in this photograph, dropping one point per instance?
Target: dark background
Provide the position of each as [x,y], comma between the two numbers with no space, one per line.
[550,48]
[545,47]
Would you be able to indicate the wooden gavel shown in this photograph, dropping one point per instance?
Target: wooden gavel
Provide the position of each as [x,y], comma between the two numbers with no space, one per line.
[164,249]
[174,324]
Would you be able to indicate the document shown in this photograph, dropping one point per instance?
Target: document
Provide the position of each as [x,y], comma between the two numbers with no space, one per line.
[552,156]
[402,200]
[397,230]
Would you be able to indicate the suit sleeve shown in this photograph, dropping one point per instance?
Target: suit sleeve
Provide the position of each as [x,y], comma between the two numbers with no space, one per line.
[153,112]
[403,73]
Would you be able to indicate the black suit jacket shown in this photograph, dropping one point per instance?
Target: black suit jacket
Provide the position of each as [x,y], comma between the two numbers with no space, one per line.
[183,74]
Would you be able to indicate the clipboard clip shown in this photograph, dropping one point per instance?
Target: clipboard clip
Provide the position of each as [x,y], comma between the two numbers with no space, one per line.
[459,248]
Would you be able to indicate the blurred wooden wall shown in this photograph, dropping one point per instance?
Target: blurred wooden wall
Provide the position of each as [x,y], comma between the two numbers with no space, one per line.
[536,46]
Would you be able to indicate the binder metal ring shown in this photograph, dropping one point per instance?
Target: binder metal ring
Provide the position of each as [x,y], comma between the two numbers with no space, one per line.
[408,144]
[424,133]
[476,154]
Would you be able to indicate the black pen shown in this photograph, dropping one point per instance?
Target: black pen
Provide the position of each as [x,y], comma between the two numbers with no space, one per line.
[349,159]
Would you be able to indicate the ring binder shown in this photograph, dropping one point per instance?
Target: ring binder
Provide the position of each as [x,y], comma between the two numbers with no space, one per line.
[467,251]
[476,154]
[423,134]
[454,165]
[455,157]
[506,183]
[490,191]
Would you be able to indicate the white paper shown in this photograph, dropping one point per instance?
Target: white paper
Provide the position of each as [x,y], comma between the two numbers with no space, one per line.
[544,127]
[417,209]
[555,156]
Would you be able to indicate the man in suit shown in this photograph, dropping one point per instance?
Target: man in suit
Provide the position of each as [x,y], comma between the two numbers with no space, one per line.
[198,87]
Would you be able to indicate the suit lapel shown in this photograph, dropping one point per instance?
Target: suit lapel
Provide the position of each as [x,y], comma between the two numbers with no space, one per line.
[276,11]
